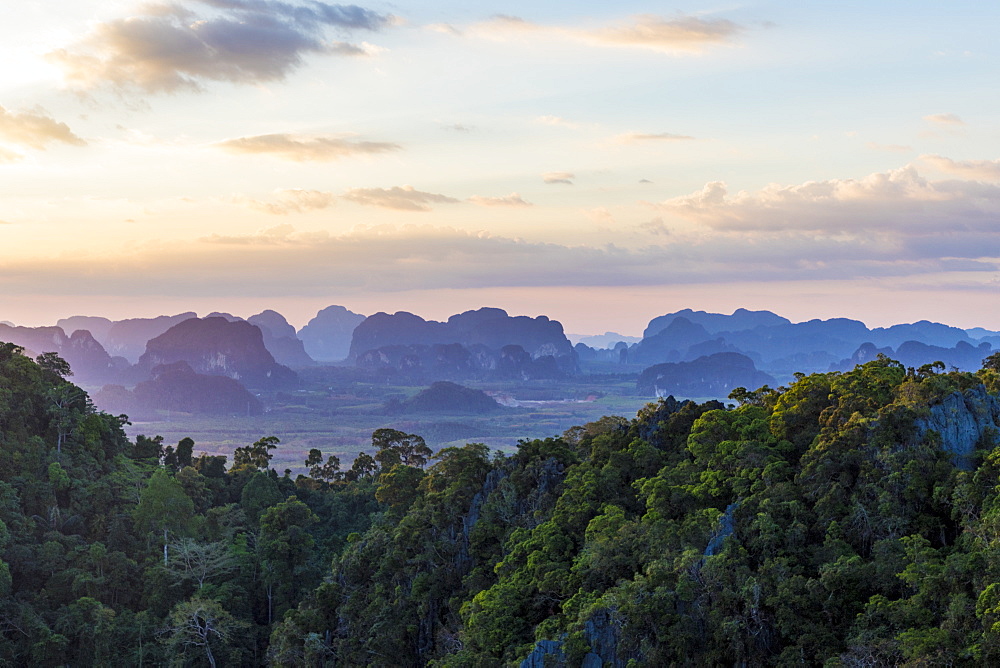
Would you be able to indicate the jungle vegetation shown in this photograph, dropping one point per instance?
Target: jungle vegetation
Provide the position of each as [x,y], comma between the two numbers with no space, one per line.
[820,523]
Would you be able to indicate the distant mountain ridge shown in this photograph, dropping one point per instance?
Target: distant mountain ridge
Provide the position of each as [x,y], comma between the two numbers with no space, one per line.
[327,337]
[490,328]
[220,347]
[781,347]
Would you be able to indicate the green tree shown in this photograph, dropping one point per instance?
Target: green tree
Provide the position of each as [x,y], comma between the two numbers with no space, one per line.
[329,471]
[257,456]
[396,447]
[202,626]
[163,508]
[285,546]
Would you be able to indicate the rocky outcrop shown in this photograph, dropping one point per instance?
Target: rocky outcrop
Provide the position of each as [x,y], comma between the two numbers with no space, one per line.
[89,361]
[964,421]
[546,653]
[711,376]
[97,326]
[490,328]
[127,338]
[423,363]
[327,337]
[924,331]
[670,344]
[218,347]
[446,397]
[741,319]
[725,529]
[601,634]
[963,356]
[176,387]
[280,339]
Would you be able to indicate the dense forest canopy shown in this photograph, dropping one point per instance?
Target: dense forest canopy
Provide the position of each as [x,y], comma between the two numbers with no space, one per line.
[850,518]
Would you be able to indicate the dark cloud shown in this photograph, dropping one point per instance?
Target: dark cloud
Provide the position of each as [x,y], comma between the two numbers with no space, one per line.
[301,148]
[168,48]
[311,14]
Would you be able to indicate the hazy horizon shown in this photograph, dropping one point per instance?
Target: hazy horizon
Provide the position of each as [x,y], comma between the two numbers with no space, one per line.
[593,323]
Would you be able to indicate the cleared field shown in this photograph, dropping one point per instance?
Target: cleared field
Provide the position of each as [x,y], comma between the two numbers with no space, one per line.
[339,420]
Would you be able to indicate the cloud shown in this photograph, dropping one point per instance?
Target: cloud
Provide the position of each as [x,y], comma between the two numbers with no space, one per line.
[600,215]
[296,201]
[405,198]
[458,127]
[639,137]
[944,119]
[301,148]
[558,122]
[558,177]
[511,200]
[281,261]
[980,170]
[167,47]
[9,156]
[647,31]
[684,33]
[888,148]
[899,205]
[35,130]
[656,226]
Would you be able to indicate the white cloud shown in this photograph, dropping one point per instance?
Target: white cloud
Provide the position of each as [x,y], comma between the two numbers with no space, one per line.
[35,129]
[559,177]
[980,170]
[511,200]
[405,198]
[643,137]
[944,119]
[681,33]
[301,148]
[296,201]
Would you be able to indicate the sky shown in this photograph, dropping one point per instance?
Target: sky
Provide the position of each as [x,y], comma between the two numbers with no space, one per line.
[600,163]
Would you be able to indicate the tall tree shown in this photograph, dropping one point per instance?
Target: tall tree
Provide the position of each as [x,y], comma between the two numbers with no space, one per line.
[163,507]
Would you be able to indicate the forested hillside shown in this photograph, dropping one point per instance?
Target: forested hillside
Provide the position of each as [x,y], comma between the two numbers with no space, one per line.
[852,518]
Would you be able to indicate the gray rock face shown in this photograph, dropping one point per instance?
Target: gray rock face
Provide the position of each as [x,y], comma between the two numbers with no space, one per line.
[127,338]
[551,649]
[726,528]
[280,339]
[218,347]
[327,337]
[962,421]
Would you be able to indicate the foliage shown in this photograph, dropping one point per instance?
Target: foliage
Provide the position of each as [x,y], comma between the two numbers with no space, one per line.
[822,523]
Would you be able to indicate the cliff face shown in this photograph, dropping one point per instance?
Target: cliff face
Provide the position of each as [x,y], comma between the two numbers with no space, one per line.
[488,328]
[454,361]
[128,338]
[176,387]
[711,376]
[218,347]
[327,337]
[280,339]
[963,421]
[89,361]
